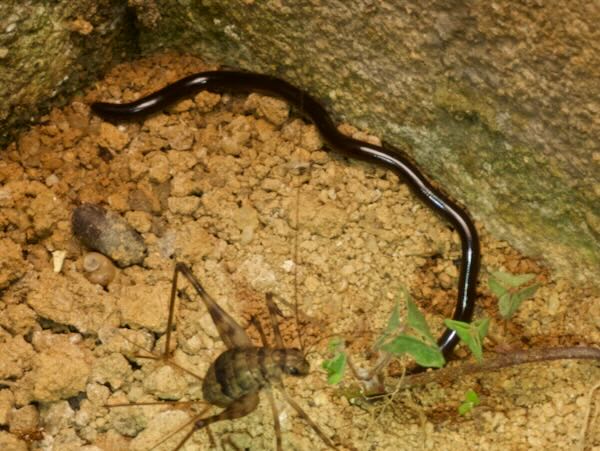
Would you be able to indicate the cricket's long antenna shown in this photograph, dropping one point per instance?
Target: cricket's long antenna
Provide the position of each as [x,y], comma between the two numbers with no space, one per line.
[297,231]
[167,351]
[297,224]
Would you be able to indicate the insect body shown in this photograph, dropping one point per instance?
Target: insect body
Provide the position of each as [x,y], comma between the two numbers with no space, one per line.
[238,372]
[236,377]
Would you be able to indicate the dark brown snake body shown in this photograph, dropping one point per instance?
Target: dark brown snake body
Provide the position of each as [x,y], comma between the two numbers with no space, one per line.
[386,156]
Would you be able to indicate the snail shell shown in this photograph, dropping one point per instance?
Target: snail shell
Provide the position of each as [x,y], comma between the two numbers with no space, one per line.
[98,268]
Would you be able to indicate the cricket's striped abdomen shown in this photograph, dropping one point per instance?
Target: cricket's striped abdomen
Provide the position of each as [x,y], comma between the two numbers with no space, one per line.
[241,371]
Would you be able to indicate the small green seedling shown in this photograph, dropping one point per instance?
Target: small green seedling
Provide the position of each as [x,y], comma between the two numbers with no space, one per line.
[392,328]
[420,345]
[471,334]
[471,400]
[335,366]
[510,290]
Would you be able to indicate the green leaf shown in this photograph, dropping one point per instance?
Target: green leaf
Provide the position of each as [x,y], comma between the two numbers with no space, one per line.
[426,355]
[394,319]
[471,334]
[471,396]
[335,368]
[496,288]
[416,320]
[334,344]
[507,289]
[511,280]
[527,292]
[392,325]
[509,304]
[465,408]
[504,305]
[471,400]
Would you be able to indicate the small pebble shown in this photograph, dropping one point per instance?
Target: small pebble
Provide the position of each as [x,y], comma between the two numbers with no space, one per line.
[108,233]
[58,259]
[26,418]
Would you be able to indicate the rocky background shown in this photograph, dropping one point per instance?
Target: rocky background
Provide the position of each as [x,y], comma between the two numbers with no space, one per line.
[243,192]
[497,101]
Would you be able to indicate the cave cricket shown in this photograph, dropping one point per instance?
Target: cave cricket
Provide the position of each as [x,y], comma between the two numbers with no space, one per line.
[238,374]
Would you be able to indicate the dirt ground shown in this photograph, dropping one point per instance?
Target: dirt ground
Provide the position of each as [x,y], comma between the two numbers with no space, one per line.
[217,182]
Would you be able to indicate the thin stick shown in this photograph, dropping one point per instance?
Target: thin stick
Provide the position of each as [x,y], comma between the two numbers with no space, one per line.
[449,374]
[383,362]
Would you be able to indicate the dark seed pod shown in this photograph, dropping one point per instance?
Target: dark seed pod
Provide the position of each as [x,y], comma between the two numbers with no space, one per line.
[108,233]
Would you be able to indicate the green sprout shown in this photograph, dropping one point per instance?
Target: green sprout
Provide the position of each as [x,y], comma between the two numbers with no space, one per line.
[335,366]
[471,400]
[510,290]
[392,327]
[420,345]
[471,334]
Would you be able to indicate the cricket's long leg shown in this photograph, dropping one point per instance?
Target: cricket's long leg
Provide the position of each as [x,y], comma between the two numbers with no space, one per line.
[276,423]
[270,397]
[239,408]
[306,418]
[232,334]
[227,440]
[178,430]
[256,323]
[171,317]
[273,312]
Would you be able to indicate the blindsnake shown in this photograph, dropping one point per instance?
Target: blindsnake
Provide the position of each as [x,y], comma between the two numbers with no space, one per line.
[386,156]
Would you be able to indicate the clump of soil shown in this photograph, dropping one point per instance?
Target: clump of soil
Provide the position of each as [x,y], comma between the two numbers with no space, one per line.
[244,193]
